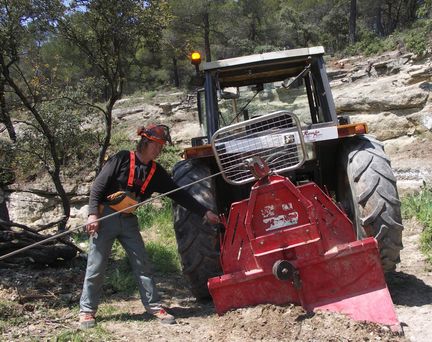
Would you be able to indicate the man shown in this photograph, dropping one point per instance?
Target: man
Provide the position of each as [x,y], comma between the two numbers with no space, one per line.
[127,178]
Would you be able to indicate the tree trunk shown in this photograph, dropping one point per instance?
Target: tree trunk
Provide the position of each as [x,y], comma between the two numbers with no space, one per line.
[64,199]
[378,22]
[4,212]
[116,93]
[4,115]
[176,73]
[207,37]
[352,22]
[107,138]
[50,253]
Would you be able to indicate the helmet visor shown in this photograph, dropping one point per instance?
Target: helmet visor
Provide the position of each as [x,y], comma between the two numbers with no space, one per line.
[158,133]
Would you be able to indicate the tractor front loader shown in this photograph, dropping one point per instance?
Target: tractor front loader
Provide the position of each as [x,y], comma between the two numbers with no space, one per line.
[313,214]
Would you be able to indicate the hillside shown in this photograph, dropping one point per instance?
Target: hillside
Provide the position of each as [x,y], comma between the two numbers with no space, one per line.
[390,92]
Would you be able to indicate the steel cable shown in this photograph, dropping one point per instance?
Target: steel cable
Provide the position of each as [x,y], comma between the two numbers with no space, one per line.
[54,237]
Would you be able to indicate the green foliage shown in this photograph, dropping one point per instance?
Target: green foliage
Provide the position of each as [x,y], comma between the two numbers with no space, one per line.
[155,215]
[157,221]
[419,205]
[11,313]
[418,39]
[74,145]
[120,141]
[368,44]
[425,10]
[120,277]
[335,29]
[96,334]
[164,256]
[169,156]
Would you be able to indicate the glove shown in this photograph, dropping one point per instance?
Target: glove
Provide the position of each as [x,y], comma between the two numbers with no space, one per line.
[211,217]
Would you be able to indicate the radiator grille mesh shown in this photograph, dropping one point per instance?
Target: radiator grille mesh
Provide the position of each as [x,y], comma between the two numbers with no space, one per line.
[276,138]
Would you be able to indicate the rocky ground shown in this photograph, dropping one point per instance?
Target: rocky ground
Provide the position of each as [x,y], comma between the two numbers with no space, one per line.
[47,299]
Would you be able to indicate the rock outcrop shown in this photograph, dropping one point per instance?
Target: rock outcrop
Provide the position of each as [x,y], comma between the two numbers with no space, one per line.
[392,94]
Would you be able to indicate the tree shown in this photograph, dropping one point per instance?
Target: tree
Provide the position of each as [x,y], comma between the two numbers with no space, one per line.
[22,22]
[109,33]
[206,21]
[385,16]
[352,21]
[24,26]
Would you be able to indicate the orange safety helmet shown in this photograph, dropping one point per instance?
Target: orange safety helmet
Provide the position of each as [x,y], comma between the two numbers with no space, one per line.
[157,133]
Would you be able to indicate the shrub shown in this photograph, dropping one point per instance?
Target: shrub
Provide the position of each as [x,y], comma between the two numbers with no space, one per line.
[419,205]
[417,39]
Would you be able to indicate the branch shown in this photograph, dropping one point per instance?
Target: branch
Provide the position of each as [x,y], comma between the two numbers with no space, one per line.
[24,79]
[83,104]
[48,225]
[29,124]
[35,233]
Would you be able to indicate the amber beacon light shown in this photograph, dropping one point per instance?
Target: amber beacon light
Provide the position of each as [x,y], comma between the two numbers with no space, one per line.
[195,58]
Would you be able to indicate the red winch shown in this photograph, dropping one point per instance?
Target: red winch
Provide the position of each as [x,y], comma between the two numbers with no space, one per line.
[288,244]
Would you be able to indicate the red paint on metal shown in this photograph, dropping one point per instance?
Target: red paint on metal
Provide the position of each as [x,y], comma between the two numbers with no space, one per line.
[303,226]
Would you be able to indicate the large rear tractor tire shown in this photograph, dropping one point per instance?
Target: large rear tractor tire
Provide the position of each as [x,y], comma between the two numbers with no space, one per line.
[367,191]
[198,242]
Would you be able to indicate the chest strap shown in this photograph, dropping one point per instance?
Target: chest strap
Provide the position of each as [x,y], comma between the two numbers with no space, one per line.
[132,173]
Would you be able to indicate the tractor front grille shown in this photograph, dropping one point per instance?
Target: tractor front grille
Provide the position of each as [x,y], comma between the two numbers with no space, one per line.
[276,138]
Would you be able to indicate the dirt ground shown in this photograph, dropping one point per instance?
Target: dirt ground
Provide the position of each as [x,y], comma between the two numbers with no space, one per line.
[47,307]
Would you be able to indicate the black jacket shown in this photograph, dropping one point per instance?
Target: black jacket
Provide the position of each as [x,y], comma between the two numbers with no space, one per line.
[114,176]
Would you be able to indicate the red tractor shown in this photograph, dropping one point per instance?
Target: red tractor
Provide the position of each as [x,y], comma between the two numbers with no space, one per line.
[313,213]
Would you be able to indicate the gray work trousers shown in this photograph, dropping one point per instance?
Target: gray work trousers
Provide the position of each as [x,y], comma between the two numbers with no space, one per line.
[125,229]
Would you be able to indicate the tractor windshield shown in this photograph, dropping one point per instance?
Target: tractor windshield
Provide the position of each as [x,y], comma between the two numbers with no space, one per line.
[238,89]
[262,99]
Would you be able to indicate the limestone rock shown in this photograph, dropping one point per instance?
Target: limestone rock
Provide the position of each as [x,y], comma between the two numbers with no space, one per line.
[386,125]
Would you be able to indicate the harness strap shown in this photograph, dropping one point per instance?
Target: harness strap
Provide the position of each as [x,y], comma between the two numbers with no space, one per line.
[149,177]
[131,169]
[132,173]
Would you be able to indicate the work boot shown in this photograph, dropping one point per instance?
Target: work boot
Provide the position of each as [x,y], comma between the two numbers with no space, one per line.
[160,313]
[87,320]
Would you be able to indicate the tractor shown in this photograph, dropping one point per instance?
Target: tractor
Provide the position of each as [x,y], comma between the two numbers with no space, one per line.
[309,199]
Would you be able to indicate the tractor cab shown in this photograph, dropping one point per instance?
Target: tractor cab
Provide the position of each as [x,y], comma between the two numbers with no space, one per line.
[243,88]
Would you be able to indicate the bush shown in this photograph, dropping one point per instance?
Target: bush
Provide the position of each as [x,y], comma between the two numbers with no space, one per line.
[419,205]
[417,39]
[10,314]
[120,141]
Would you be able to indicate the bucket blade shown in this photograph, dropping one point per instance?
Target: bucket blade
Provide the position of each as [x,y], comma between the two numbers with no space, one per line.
[350,280]
[374,306]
